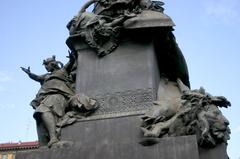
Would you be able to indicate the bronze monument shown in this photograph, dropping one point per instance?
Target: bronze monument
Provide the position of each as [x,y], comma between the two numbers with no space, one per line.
[125,92]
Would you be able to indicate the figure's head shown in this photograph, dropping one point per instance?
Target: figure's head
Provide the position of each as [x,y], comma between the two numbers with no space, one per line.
[218,124]
[72,25]
[202,91]
[51,64]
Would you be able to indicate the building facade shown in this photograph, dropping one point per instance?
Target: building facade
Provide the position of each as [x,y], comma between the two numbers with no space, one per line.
[8,150]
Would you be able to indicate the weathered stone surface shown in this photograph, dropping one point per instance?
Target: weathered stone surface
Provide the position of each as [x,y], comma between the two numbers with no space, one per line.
[218,152]
[127,58]
[166,148]
[120,131]
[124,81]
[105,131]
[195,112]
[51,100]
[148,19]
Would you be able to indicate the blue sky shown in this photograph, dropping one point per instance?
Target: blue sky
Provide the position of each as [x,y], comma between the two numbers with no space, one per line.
[207,32]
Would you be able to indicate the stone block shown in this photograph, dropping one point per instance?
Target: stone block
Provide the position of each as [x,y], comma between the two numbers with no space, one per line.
[166,148]
[124,82]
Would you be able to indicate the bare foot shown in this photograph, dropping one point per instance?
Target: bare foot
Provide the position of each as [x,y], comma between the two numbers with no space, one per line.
[52,141]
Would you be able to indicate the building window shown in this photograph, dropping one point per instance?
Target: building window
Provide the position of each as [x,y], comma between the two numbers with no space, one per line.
[4,156]
[10,156]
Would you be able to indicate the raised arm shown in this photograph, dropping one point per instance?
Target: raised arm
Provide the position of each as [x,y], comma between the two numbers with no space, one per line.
[72,58]
[32,75]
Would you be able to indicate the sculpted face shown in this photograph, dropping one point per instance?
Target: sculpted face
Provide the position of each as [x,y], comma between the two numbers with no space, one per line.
[49,66]
[218,123]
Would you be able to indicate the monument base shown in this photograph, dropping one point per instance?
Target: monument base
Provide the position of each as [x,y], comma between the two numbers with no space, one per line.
[184,147]
[121,138]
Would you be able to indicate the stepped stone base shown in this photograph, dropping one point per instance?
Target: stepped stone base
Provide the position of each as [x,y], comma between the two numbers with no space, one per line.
[219,152]
[121,138]
[167,148]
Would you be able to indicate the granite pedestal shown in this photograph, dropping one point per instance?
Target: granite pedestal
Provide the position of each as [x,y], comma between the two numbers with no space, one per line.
[125,83]
[167,148]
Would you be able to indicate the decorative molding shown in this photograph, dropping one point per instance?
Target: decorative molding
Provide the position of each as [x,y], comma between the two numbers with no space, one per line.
[130,100]
[126,103]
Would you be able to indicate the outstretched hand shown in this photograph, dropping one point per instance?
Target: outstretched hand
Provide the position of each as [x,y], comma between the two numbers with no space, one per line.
[71,55]
[26,70]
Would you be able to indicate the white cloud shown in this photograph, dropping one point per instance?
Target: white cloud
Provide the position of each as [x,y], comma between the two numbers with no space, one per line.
[224,11]
[4,77]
